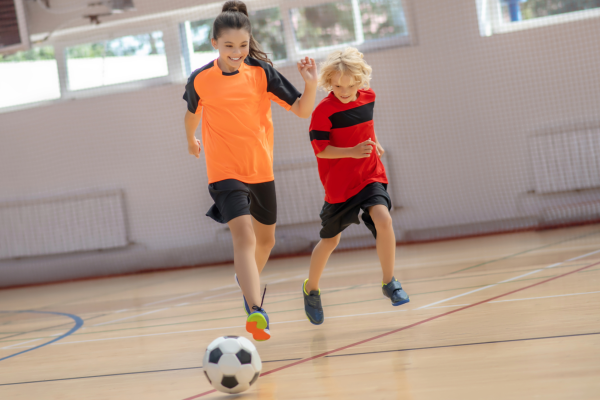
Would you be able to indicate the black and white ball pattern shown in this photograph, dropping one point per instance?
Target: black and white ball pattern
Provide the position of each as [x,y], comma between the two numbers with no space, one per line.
[231,364]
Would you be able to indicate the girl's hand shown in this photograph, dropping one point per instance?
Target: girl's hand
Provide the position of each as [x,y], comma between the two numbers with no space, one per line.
[362,150]
[308,69]
[194,148]
[379,149]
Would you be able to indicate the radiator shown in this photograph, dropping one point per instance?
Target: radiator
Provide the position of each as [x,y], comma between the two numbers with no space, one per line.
[566,161]
[300,194]
[63,224]
[571,213]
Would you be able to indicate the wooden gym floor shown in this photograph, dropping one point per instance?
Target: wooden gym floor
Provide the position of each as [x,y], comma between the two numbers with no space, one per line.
[513,316]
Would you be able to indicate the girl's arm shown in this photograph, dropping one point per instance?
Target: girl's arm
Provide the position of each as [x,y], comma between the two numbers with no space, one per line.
[304,105]
[361,150]
[191,122]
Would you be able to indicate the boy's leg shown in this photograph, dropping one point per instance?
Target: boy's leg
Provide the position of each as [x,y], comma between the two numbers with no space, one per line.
[265,241]
[318,260]
[244,249]
[386,240]
[386,250]
[310,288]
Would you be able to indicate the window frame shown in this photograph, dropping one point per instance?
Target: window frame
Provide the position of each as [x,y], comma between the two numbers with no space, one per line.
[361,44]
[33,104]
[105,35]
[490,18]
[293,54]
[185,43]
[176,44]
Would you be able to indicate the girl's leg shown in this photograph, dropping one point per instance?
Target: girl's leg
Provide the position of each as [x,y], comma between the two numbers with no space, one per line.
[265,240]
[386,240]
[318,260]
[244,249]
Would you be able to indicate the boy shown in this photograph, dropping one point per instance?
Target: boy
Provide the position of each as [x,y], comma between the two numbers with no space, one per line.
[343,138]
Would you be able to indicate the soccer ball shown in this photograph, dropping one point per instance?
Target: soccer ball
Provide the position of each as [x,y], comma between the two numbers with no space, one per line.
[231,364]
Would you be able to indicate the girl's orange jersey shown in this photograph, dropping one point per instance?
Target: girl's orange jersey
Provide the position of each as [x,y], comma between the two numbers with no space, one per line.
[237,129]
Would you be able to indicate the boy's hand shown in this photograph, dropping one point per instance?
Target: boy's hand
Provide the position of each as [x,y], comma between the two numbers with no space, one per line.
[194,148]
[362,150]
[308,69]
[379,149]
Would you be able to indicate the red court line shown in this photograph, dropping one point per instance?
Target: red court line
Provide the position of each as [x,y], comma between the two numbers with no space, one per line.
[407,327]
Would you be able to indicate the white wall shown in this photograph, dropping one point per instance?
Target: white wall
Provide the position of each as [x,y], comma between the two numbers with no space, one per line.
[454,112]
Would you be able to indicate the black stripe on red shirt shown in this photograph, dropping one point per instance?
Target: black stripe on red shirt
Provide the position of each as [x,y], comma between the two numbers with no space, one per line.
[353,116]
[319,135]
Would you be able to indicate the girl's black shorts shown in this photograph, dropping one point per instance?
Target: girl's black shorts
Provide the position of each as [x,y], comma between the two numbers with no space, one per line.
[234,198]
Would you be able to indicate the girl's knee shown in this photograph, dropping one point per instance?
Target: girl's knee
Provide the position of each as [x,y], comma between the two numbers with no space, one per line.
[267,242]
[243,236]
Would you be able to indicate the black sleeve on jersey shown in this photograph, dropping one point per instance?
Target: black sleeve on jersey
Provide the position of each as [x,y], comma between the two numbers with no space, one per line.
[190,94]
[319,135]
[277,83]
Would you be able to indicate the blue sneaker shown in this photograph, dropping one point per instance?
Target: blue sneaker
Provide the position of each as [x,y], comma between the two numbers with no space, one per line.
[312,305]
[246,307]
[394,291]
[257,324]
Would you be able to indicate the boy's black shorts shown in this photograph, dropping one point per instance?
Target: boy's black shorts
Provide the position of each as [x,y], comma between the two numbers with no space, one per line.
[337,217]
[234,199]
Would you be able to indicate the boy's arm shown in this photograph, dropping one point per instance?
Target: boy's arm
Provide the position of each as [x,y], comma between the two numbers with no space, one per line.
[191,122]
[361,150]
[378,146]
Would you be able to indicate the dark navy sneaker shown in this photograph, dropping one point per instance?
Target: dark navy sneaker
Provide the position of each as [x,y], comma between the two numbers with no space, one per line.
[394,291]
[246,307]
[312,305]
[257,324]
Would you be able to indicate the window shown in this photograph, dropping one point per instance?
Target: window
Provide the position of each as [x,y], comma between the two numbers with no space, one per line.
[323,25]
[347,22]
[267,27]
[200,49]
[126,59]
[382,19]
[28,77]
[543,8]
[499,16]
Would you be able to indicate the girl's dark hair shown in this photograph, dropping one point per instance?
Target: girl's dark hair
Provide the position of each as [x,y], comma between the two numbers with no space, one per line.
[234,15]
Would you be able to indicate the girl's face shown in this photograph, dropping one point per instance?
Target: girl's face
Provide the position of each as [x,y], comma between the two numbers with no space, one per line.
[233,46]
[344,87]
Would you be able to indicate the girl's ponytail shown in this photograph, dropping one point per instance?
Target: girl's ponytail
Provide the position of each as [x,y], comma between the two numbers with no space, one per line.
[234,15]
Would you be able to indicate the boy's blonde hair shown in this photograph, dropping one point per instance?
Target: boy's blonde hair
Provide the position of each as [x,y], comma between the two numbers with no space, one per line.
[348,61]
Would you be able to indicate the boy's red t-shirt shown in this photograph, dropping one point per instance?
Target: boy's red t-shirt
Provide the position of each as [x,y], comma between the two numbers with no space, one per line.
[345,125]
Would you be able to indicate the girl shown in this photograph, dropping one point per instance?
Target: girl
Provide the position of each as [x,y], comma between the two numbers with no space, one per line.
[343,138]
[232,95]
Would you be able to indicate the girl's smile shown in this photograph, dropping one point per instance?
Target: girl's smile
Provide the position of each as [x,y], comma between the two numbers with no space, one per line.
[233,46]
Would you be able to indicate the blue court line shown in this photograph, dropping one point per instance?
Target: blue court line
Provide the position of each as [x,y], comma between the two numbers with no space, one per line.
[78,324]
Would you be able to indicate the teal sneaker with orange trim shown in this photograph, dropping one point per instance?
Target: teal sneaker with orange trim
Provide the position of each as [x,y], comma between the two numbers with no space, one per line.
[312,305]
[393,290]
[257,324]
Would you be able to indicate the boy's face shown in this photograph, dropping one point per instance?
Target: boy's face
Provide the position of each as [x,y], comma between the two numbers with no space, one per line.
[233,46]
[344,87]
